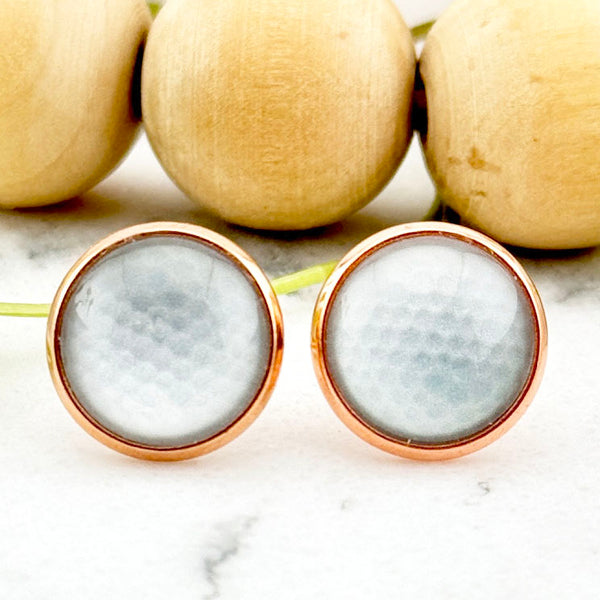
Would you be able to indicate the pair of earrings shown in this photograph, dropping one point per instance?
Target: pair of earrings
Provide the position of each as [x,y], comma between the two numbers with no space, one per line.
[165,340]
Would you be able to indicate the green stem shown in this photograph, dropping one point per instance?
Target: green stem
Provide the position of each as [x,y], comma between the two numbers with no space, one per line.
[420,31]
[154,7]
[296,281]
[282,286]
[8,309]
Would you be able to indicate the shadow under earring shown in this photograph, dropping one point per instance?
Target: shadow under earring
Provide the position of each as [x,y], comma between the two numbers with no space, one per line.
[429,340]
[165,341]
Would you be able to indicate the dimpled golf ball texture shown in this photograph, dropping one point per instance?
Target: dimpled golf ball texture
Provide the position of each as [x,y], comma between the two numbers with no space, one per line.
[430,340]
[165,341]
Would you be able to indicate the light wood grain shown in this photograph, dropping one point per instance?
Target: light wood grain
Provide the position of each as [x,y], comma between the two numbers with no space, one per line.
[66,118]
[279,115]
[513,93]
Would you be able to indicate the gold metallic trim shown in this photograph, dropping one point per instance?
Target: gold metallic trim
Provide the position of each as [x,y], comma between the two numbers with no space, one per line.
[335,398]
[88,260]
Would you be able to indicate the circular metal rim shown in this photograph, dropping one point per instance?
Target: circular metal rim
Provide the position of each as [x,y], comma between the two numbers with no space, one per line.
[359,426]
[88,260]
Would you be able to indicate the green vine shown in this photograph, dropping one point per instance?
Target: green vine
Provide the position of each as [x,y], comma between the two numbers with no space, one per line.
[421,31]
[282,286]
[289,284]
[154,7]
[8,309]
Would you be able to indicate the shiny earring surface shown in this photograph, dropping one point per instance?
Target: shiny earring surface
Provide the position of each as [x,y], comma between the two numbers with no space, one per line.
[429,340]
[165,341]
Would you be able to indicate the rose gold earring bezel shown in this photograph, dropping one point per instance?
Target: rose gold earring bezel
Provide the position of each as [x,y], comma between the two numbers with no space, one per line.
[334,396]
[86,262]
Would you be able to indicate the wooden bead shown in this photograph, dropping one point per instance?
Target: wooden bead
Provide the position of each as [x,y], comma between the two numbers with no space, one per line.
[513,95]
[66,119]
[279,115]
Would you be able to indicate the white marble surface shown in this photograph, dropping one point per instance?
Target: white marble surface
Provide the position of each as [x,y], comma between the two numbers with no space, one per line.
[297,507]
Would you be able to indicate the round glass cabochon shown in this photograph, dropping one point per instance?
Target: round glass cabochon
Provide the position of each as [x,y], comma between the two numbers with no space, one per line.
[164,341]
[430,340]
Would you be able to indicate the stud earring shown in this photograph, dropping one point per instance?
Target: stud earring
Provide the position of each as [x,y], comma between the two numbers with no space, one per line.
[429,340]
[165,341]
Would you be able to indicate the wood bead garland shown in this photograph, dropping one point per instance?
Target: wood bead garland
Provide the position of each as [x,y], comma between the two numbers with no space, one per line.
[293,115]
[513,95]
[279,115]
[66,118]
